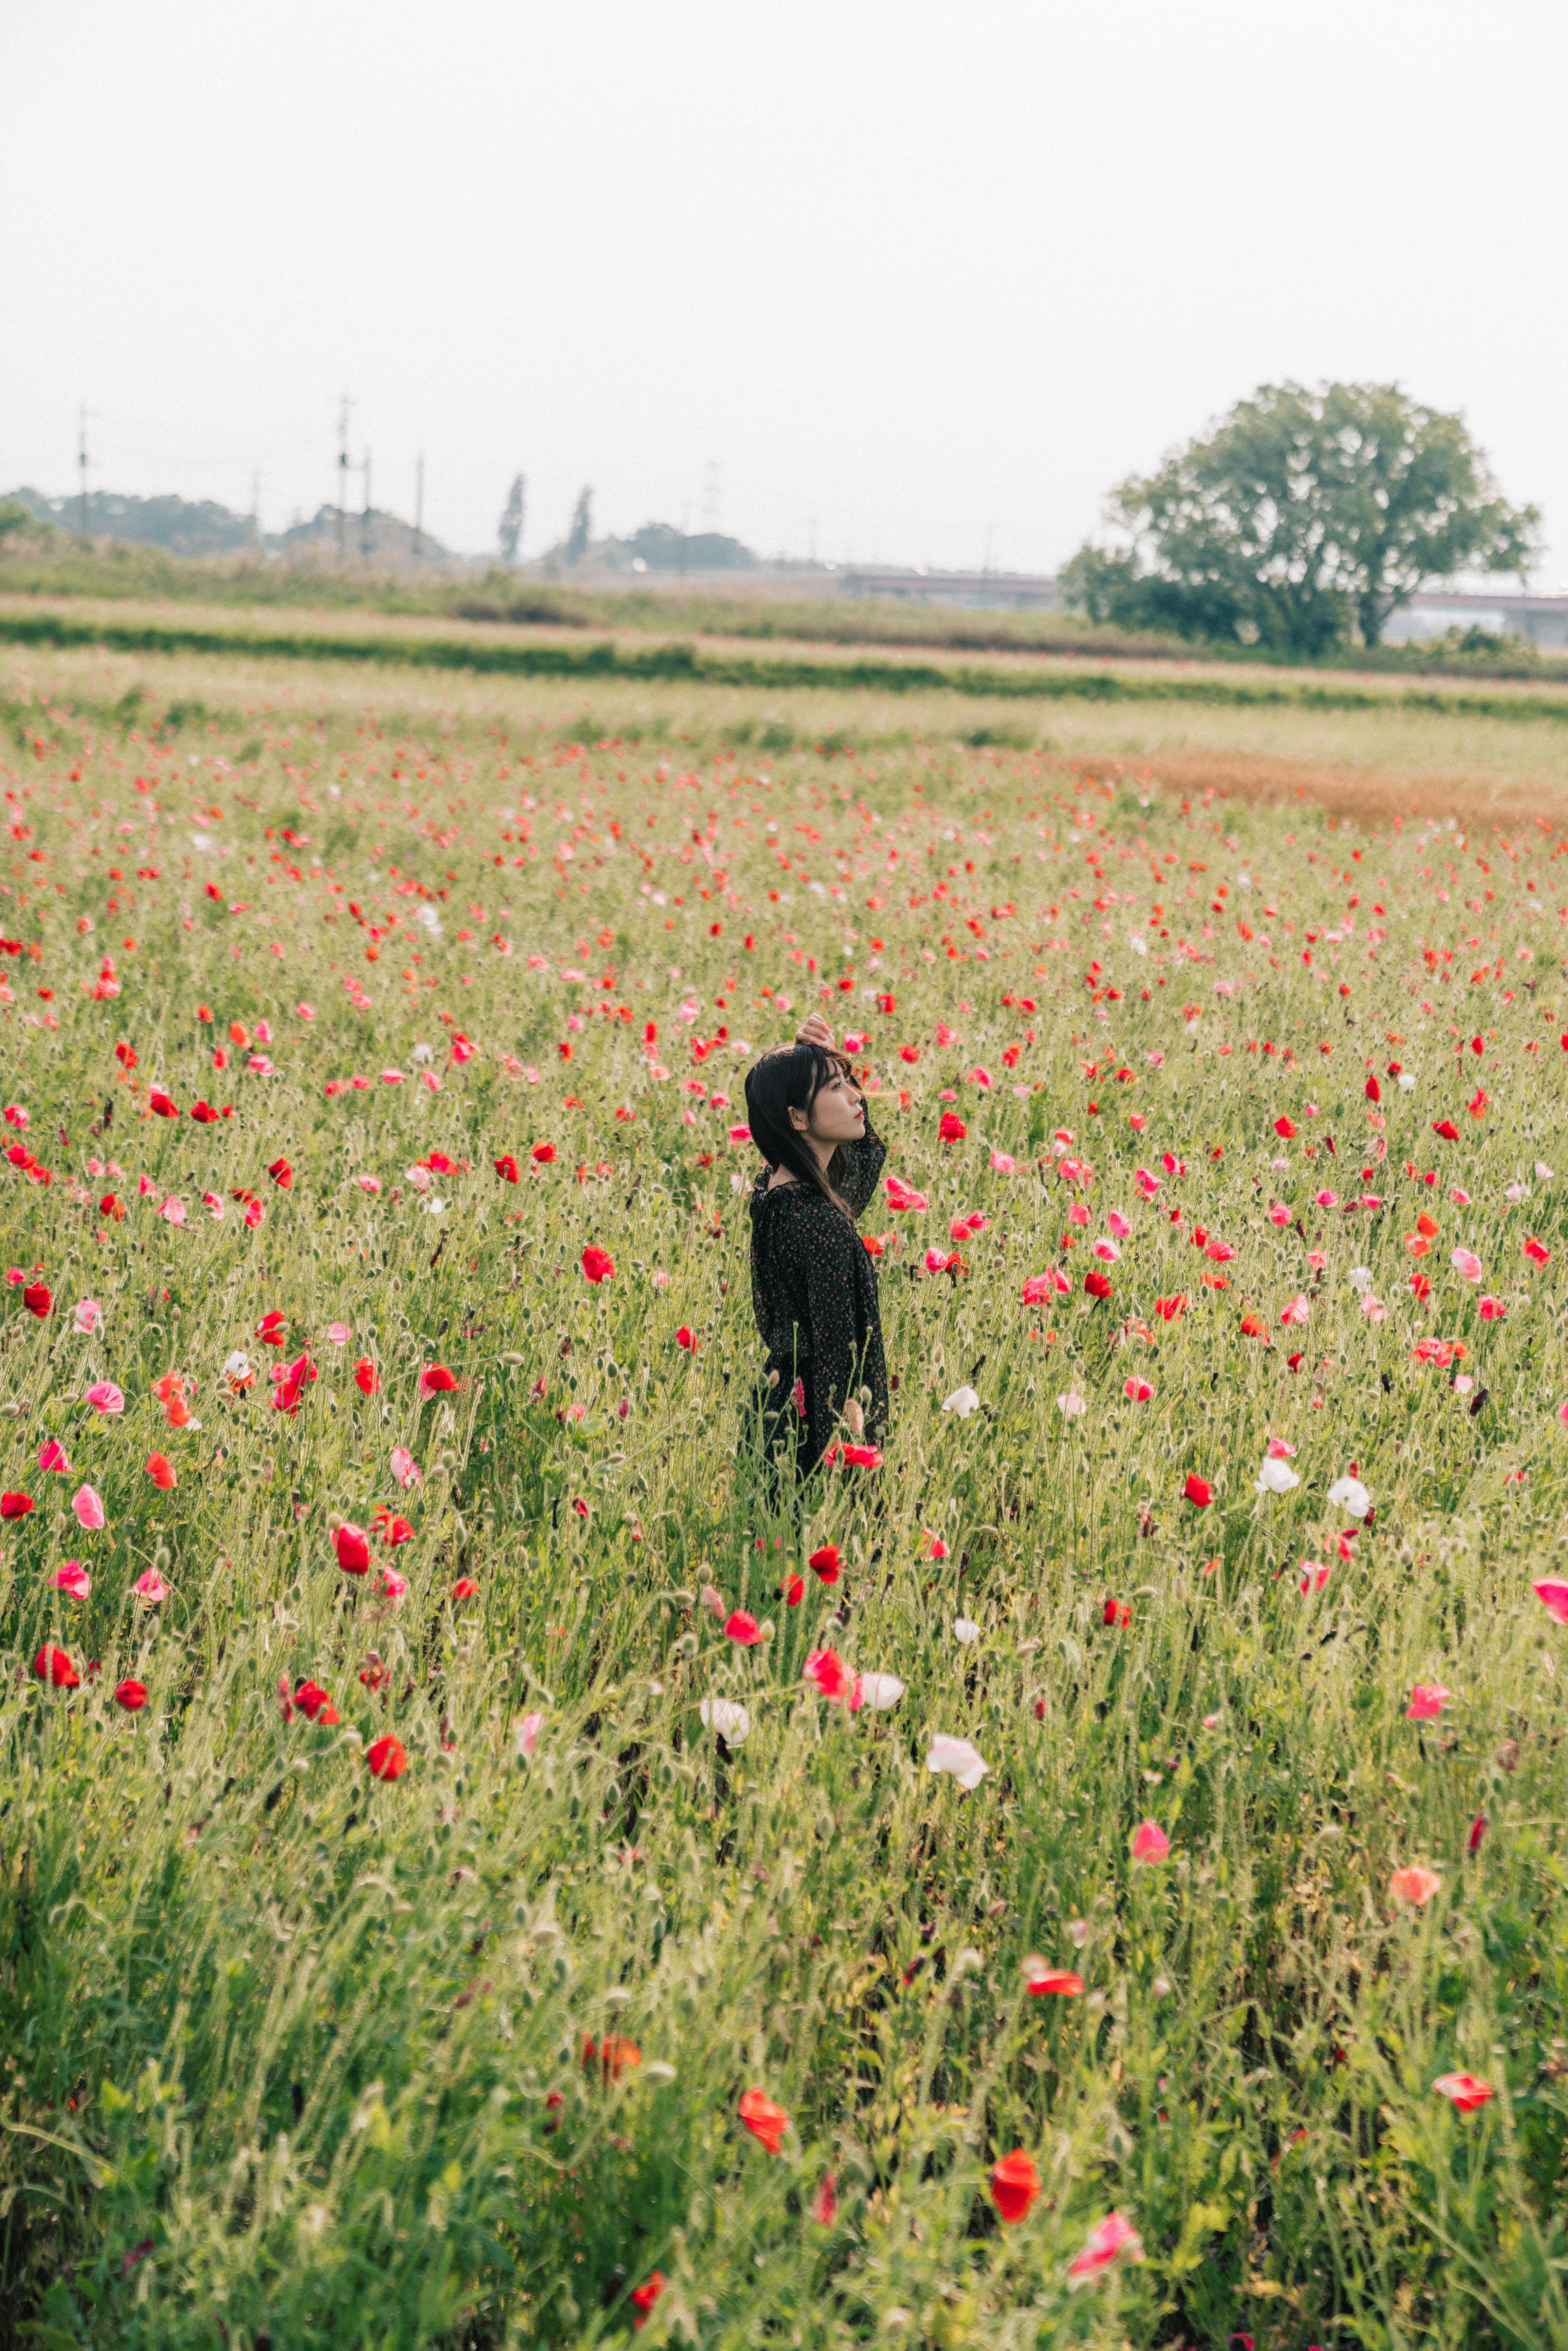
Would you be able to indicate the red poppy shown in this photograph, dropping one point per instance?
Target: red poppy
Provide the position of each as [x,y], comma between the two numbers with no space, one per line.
[282,1175]
[506,1168]
[763,2119]
[952,1128]
[743,1629]
[1061,1981]
[598,1264]
[826,1563]
[862,1456]
[542,1154]
[161,1472]
[126,1056]
[314,1703]
[794,1591]
[112,1208]
[353,1548]
[1285,1129]
[54,1665]
[685,1339]
[204,1114]
[132,1696]
[611,2057]
[366,1377]
[15,1506]
[645,2295]
[36,1297]
[1446,1129]
[271,1328]
[386,1757]
[1199,1491]
[1117,1613]
[162,1104]
[1015,2184]
[1097,1285]
[464,1588]
[1167,1309]
[436,1380]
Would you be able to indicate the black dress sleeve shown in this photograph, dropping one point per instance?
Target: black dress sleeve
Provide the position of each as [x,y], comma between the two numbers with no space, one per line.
[855,1168]
[827,1248]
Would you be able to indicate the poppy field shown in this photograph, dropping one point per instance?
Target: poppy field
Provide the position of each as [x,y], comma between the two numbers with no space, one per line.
[479,1866]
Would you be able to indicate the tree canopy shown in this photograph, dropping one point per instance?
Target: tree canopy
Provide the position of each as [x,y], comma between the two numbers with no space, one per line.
[1305,514]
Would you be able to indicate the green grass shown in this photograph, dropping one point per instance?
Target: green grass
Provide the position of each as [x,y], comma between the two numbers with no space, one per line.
[607,660]
[294,2056]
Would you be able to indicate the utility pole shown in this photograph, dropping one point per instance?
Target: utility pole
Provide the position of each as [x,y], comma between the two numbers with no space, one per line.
[419,508]
[81,463]
[344,406]
[365,516]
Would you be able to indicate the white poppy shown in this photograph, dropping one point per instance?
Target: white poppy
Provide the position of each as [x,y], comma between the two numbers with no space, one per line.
[1350,1494]
[1360,1276]
[1071,1406]
[957,1755]
[1275,1478]
[963,1401]
[727,1717]
[880,1691]
[965,1629]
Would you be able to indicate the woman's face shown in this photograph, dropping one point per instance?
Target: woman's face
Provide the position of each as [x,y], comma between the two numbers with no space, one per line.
[837,1114]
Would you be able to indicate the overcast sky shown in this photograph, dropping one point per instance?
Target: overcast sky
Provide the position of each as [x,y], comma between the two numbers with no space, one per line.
[921,281]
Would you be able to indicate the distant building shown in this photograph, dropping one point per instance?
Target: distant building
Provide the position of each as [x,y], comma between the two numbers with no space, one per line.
[1017,591]
[1543,619]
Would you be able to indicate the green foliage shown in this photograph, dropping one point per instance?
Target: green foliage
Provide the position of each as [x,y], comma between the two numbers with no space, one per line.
[287,2053]
[1302,512]
[581,529]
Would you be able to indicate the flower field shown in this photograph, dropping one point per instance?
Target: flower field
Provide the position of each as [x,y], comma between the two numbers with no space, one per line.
[476,1866]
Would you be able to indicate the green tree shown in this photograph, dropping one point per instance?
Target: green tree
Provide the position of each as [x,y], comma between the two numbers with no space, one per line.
[581,527]
[512,525]
[1302,513]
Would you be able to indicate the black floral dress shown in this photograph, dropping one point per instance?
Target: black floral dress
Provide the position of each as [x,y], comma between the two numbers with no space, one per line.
[813,1287]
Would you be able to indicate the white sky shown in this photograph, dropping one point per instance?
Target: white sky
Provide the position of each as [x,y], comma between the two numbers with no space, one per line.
[926,275]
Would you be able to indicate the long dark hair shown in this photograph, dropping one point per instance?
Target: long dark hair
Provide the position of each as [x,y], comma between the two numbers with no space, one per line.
[789,1078]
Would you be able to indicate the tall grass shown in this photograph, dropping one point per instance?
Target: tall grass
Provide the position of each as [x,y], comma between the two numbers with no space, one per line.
[298,2057]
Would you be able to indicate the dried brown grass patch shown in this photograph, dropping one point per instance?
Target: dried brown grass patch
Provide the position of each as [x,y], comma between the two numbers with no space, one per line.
[1371,795]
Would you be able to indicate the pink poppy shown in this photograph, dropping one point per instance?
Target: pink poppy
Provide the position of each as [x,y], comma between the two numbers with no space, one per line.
[743,1629]
[89,1509]
[404,1467]
[1138,1390]
[1492,1310]
[105,1397]
[1150,1842]
[72,1578]
[338,1334]
[1466,2090]
[1003,1162]
[1112,2239]
[52,1456]
[1553,1598]
[1427,1700]
[1466,1264]
[1415,1885]
[88,1317]
[1296,1309]
[150,1588]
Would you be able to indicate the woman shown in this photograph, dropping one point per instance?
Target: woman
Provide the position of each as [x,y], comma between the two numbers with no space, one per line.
[813,1285]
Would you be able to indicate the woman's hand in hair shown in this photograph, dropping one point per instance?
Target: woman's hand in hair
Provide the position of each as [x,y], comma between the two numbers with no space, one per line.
[814,1030]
